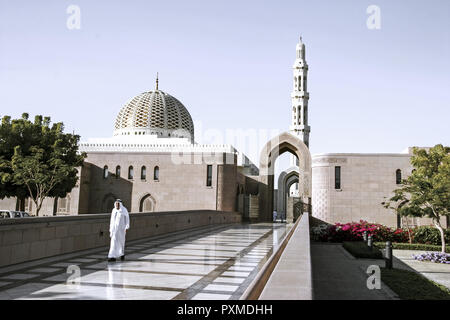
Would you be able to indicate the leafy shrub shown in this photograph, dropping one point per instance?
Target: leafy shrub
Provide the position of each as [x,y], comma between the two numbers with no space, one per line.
[354,231]
[429,235]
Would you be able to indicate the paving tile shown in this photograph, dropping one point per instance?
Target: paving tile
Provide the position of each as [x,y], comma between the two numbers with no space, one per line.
[211,296]
[229,280]
[19,276]
[236,274]
[221,287]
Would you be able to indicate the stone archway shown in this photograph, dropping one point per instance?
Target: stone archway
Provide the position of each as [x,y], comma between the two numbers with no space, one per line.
[283,180]
[147,203]
[290,200]
[285,142]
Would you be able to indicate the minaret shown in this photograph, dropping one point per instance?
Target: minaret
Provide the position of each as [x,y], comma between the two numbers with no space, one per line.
[300,96]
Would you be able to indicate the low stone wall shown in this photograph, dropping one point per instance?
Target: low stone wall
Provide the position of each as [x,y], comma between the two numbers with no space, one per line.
[39,237]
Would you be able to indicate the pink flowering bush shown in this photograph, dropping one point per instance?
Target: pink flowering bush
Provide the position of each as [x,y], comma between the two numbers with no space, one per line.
[354,231]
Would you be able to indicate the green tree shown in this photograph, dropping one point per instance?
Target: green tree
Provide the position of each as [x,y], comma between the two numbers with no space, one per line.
[37,160]
[426,192]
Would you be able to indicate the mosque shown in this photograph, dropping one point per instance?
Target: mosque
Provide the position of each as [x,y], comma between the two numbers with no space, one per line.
[153,164]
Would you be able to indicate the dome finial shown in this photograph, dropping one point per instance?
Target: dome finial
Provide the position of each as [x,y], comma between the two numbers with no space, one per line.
[157,81]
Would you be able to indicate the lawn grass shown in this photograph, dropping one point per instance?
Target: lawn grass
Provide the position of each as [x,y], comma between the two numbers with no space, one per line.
[359,249]
[410,285]
[412,246]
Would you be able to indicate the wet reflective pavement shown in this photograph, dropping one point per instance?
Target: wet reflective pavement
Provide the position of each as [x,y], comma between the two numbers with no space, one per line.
[213,262]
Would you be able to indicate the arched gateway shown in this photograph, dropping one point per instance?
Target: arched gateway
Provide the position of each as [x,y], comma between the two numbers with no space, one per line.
[285,142]
[285,180]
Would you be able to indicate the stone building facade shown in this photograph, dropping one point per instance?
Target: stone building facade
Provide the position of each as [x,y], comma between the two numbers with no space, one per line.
[153,164]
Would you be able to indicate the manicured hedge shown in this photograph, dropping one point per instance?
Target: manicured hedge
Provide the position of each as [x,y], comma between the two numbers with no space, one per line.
[359,249]
[412,246]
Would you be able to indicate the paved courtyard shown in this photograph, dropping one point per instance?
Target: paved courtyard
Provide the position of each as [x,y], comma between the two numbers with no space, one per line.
[337,275]
[214,262]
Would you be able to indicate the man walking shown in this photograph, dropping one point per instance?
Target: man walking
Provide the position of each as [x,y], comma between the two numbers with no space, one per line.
[118,226]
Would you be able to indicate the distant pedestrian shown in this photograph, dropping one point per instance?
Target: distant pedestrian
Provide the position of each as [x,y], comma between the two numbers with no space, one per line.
[274,215]
[118,226]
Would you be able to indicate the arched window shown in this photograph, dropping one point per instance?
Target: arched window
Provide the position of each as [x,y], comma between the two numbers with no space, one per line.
[117,172]
[156,173]
[130,172]
[105,172]
[398,176]
[143,173]
[209,175]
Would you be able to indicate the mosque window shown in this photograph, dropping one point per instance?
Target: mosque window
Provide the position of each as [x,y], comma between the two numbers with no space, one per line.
[337,177]
[117,172]
[156,173]
[209,175]
[398,176]
[105,172]
[143,173]
[130,172]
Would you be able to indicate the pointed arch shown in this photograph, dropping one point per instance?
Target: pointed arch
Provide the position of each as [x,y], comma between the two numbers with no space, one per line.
[283,179]
[285,142]
[147,203]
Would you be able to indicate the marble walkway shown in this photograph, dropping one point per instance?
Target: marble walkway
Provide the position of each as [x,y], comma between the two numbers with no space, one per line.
[213,262]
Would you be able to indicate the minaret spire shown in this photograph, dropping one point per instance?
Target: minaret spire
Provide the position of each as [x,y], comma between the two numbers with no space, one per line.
[300,96]
[157,80]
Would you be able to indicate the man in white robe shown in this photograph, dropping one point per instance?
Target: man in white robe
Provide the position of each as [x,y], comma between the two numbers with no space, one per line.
[119,224]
